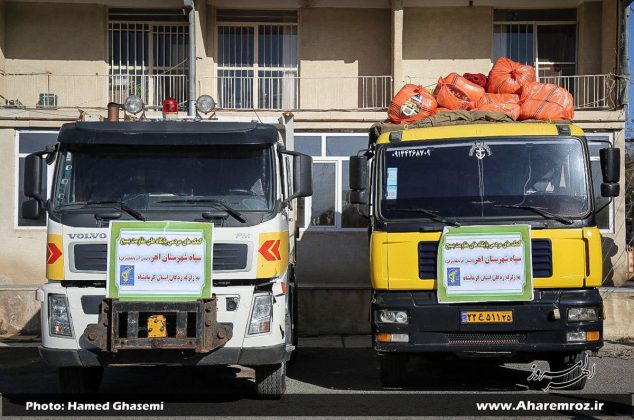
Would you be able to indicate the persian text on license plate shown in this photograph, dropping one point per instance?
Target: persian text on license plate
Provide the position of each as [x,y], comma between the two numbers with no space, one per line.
[475,317]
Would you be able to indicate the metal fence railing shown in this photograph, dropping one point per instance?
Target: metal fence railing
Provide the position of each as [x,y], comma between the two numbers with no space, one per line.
[595,91]
[295,93]
[54,91]
[247,92]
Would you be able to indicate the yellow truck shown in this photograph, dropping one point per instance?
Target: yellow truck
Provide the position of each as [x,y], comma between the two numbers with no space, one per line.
[483,239]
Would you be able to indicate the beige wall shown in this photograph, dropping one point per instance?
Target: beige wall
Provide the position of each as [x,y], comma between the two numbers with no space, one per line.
[340,43]
[438,41]
[3,12]
[67,41]
[23,254]
[589,38]
[609,27]
[206,52]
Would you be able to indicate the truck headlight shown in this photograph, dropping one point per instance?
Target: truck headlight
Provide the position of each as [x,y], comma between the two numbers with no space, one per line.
[583,314]
[58,316]
[393,317]
[261,312]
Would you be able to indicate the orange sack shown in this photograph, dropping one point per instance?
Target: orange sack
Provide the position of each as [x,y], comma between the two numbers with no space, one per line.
[543,101]
[506,103]
[473,91]
[411,103]
[507,76]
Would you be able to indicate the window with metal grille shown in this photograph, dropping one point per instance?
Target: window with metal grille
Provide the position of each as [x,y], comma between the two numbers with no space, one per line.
[147,55]
[257,59]
[535,38]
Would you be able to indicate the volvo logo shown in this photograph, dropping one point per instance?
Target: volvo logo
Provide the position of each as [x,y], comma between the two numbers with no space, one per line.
[87,235]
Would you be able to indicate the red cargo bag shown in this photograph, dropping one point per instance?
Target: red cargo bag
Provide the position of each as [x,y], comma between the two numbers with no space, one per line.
[411,103]
[477,78]
[507,76]
[543,101]
[506,103]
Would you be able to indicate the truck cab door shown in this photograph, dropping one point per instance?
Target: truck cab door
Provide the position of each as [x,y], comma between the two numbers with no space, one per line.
[291,209]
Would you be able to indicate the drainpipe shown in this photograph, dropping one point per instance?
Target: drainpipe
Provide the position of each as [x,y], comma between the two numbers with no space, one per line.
[191,104]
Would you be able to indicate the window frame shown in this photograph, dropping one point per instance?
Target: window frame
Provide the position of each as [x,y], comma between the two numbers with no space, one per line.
[50,172]
[595,158]
[132,70]
[535,24]
[256,68]
[338,161]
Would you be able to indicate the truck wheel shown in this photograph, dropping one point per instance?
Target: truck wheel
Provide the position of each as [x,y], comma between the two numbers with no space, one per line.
[270,381]
[394,369]
[80,380]
[566,361]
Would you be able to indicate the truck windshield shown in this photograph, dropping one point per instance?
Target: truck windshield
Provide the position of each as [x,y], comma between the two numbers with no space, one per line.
[150,178]
[474,178]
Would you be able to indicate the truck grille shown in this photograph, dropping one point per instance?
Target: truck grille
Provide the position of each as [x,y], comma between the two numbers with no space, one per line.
[541,250]
[93,257]
[485,338]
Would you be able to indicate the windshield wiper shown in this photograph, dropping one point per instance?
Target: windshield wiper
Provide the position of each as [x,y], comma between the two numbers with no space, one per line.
[430,214]
[544,213]
[233,212]
[132,212]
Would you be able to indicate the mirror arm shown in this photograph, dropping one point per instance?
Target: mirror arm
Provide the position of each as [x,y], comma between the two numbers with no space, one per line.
[600,209]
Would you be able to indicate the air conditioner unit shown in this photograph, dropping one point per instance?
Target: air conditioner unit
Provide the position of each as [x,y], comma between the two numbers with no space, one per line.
[13,103]
[47,100]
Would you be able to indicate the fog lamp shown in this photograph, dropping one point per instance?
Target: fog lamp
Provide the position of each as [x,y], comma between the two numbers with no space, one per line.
[133,104]
[576,336]
[205,104]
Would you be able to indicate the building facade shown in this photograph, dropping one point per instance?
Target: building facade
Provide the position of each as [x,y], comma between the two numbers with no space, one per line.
[334,64]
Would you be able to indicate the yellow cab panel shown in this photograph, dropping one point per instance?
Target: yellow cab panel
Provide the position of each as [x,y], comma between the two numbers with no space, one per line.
[395,261]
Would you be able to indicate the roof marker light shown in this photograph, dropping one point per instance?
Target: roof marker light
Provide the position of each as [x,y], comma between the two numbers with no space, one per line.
[170,108]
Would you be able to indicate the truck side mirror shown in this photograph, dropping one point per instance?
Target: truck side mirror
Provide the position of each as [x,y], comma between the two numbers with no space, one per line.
[303,171]
[611,171]
[32,180]
[358,173]
[358,197]
[31,209]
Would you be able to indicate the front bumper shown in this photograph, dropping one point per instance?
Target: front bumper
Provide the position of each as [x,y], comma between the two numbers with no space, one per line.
[252,356]
[435,327]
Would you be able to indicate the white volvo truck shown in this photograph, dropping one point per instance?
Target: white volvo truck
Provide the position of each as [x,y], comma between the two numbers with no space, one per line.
[240,177]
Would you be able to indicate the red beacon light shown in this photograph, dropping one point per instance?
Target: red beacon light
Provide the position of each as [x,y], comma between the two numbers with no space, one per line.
[170,108]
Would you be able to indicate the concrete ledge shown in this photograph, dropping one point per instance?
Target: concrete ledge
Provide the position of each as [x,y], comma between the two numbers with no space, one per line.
[619,310]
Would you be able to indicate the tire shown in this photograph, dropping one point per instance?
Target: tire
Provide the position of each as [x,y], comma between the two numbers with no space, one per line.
[566,361]
[270,381]
[80,380]
[394,369]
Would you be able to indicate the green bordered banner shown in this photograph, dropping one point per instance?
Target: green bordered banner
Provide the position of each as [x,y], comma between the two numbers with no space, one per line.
[159,261]
[485,263]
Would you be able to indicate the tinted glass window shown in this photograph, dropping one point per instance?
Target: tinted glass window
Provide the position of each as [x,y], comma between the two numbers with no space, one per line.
[143,176]
[474,178]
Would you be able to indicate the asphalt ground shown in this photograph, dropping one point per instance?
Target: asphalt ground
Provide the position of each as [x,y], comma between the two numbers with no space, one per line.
[319,371]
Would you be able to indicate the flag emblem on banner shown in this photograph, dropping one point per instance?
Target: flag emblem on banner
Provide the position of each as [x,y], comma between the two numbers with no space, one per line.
[453,276]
